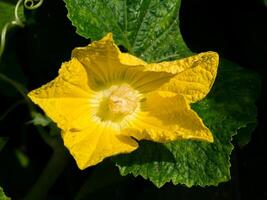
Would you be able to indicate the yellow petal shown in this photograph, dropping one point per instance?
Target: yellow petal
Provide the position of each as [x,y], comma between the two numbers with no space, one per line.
[147,81]
[92,145]
[65,99]
[167,117]
[194,77]
[107,66]
[101,61]
[129,59]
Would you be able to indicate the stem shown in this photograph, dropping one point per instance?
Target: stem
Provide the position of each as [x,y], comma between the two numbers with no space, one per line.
[50,174]
[17,19]
[3,39]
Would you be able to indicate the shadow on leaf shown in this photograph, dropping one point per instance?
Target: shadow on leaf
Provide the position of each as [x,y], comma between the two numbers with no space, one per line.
[147,152]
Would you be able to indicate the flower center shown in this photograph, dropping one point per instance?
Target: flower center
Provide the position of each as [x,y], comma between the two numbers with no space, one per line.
[122,100]
[117,102]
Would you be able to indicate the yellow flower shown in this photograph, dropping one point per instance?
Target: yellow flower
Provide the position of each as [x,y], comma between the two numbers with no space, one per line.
[104,100]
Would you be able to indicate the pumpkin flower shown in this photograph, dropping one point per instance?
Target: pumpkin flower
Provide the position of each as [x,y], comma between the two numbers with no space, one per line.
[104,101]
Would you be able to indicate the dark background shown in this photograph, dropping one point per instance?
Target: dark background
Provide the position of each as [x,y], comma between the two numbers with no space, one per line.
[236,29]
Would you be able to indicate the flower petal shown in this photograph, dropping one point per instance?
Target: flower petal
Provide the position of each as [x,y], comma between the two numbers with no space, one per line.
[107,66]
[101,61]
[65,99]
[167,117]
[128,59]
[92,145]
[194,77]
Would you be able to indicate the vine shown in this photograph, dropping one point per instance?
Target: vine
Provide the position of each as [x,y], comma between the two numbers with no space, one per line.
[32,4]
[28,4]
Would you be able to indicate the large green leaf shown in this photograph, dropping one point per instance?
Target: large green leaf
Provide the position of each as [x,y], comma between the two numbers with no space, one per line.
[2,195]
[149,29]
[229,107]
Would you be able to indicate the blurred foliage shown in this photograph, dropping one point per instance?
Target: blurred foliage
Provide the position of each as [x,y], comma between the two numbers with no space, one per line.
[2,195]
[2,142]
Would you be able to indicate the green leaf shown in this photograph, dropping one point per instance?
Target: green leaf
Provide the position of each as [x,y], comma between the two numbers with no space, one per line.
[3,196]
[249,84]
[3,142]
[229,107]
[244,136]
[148,28]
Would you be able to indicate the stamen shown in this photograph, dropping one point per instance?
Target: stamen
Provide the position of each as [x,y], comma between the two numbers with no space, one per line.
[117,102]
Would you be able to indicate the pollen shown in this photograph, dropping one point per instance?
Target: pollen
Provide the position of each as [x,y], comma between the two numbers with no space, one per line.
[117,102]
